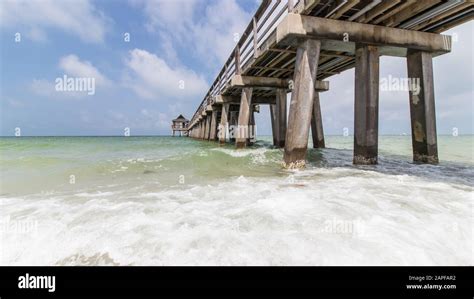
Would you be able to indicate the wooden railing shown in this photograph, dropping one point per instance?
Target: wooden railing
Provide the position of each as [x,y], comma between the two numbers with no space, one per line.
[178,127]
[260,27]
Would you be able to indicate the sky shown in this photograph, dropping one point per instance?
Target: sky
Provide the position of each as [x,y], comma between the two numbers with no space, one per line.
[153,60]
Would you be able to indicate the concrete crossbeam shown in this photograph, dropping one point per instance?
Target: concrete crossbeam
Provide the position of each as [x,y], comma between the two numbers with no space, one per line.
[337,35]
[270,82]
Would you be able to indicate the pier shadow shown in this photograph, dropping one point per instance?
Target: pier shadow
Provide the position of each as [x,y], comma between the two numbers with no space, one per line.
[445,171]
[388,164]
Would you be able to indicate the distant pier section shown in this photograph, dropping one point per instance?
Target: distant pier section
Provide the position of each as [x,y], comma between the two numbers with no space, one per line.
[293,46]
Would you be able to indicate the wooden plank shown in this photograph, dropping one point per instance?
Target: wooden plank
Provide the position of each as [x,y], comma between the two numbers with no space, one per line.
[238,70]
[442,16]
[381,8]
[344,9]
[412,10]
[394,11]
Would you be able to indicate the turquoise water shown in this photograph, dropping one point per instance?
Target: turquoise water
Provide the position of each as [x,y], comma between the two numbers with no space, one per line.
[178,201]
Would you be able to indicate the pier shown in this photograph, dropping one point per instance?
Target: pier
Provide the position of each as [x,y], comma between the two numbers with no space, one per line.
[293,46]
[180,126]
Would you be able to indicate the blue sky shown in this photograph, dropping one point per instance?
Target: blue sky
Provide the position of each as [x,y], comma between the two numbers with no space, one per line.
[137,82]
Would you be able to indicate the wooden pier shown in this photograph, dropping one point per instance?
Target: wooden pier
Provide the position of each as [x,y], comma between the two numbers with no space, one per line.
[292,46]
[180,125]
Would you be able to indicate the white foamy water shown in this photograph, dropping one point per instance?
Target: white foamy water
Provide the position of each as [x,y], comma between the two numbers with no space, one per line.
[241,208]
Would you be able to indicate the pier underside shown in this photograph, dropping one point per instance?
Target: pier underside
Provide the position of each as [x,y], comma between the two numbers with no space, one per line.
[302,47]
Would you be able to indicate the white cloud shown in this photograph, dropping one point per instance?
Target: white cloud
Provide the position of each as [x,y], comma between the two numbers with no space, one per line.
[43,87]
[37,35]
[47,88]
[207,27]
[136,120]
[73,66]
[152,78]
[215,33]
[15,103]
[78,17]
[176,14]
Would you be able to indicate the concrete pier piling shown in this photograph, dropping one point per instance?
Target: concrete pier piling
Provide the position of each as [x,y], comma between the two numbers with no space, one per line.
[224,124]
[206,128]
[293,46]
[252,128]
[242,129]
[366,107]
[301,105]
[273,122]
[317,123]
[233,121]
[422,108]
[213,129]
[278,119]
[203,129]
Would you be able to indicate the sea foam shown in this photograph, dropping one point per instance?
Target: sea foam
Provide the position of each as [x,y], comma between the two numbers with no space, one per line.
[313,217]
[176,201]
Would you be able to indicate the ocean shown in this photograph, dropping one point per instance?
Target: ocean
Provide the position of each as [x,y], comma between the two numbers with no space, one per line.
[179,201]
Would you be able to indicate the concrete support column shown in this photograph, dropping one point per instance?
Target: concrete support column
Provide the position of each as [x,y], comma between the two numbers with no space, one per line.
[422,107]
[224,124]
[252,130]
[244,118]
[366,108]
[233,119]
[274,122]
[208,127]
[203,133]
[280,117]
[213,130]
[201,129]
[317,123]
[301,105]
